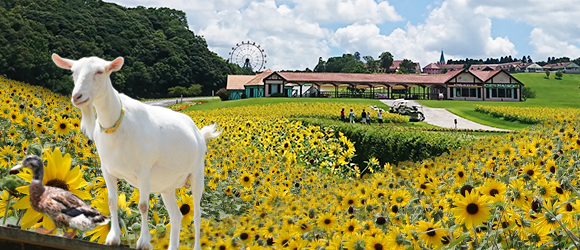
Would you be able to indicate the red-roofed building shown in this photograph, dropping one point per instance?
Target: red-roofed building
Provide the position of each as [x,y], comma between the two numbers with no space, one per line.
[495,85]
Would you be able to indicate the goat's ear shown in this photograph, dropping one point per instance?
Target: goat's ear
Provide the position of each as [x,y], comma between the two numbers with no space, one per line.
[116,64]
[62,62]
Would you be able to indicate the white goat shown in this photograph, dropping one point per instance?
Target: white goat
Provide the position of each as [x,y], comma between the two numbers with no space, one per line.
[153,148]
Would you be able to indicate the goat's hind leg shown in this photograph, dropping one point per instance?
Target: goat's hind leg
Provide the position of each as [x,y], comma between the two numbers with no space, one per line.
[197,187]
[174,217]
[144,241]
[114,236]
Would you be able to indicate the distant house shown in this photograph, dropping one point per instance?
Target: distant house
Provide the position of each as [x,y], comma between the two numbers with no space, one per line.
[397,64]
[441,67]
[566,67]
[250,86]
[534,67]
[510,67]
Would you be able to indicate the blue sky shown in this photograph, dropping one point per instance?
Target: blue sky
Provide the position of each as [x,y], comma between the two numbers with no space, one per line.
[295,33]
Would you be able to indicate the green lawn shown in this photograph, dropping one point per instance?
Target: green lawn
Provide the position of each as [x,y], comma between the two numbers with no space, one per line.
[217,103]
[551,92]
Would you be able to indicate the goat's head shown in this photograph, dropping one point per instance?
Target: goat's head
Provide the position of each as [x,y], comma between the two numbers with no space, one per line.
[90,76]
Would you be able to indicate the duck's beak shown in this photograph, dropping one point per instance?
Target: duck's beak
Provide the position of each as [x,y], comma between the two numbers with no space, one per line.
[19,166]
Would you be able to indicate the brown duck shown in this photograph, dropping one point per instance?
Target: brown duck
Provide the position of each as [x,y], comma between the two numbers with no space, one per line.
[63,207]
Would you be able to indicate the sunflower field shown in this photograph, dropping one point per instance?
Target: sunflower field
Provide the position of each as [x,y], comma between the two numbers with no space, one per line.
[274,182]
[529,115]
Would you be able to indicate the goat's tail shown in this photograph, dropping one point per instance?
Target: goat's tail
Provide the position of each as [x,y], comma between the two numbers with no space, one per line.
[210,132]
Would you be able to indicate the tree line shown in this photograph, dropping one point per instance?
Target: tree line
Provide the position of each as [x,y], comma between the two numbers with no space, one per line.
[160,51]
[353,63]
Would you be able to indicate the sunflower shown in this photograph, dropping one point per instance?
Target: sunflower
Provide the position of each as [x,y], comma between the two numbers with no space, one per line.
[520,195]
[38,125]
[302,226]
[471,210]
[494,190]
[57,173]
[532,171]
[394,239]
[61,126]
[547,221]
[3,202]
[16,117]
[185,206]
[8,156]
[351,226]
[350,200]
[327,221]
[536,236]
[428,232]
[401,197]
[100,232]
[460,174]
[246,180]
[244,234]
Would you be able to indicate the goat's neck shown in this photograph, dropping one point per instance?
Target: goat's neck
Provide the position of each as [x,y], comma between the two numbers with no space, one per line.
[108,108]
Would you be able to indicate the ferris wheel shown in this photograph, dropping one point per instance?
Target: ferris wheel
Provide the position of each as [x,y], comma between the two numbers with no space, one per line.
[248,54]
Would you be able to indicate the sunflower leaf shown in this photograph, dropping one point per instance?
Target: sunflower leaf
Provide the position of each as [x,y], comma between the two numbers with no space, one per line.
[457,241]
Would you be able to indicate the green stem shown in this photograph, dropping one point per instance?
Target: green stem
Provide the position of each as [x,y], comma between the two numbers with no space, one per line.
[7,208]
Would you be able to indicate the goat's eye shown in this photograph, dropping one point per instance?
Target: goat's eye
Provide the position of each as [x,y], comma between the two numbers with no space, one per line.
[99,72]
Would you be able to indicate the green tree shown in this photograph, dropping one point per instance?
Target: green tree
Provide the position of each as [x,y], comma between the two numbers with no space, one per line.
[559,75]
[547,71]
[386,60]
[527,93]
[371,64]
[408,66]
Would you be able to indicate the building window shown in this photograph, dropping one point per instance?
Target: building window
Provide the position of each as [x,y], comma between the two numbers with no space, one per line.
[500,93]
[466,92]
[251,92]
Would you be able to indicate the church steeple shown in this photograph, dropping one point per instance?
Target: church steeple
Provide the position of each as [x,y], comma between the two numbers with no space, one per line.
[442,58]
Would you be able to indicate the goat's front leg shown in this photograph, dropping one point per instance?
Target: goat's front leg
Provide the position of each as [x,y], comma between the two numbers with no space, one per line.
[114,236]
[144,241]
[175,217]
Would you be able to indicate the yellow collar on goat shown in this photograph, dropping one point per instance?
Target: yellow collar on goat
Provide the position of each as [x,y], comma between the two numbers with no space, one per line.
[117,123]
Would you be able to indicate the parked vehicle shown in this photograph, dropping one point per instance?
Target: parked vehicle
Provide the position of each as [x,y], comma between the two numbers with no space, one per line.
[402,107]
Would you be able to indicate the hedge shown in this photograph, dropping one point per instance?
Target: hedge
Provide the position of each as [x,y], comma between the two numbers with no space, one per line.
[393,144]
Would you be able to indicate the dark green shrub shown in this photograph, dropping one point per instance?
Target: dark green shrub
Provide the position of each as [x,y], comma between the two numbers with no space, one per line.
[393,144]
[224,94]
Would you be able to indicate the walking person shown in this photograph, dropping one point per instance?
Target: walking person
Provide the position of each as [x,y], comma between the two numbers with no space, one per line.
[351,116]
[380,116]
[363,117]
[342,114]
[368,118]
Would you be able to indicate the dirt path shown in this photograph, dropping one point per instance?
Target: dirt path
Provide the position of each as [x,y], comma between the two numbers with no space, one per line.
[442,118]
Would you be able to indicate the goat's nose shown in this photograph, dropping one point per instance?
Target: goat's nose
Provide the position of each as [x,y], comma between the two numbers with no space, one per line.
[78,96]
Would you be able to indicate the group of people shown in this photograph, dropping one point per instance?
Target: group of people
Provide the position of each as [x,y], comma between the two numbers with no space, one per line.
[365,116]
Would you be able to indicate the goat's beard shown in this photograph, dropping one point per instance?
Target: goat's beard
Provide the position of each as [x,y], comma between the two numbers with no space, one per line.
[88,120]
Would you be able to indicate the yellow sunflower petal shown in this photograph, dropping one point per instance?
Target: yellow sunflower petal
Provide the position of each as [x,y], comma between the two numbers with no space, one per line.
[23,189]
[23,203]
[30,218]
[26,175]
[77,184]
[81,194]
[48,223]
[64,169]
[74,177]
[49,169]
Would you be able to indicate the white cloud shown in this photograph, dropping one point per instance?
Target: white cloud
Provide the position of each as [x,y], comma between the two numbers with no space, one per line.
[547,45]
[294,33]
[454,27]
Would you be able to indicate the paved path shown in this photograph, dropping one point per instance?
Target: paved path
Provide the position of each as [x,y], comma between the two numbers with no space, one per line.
[442,118]
[168,102]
